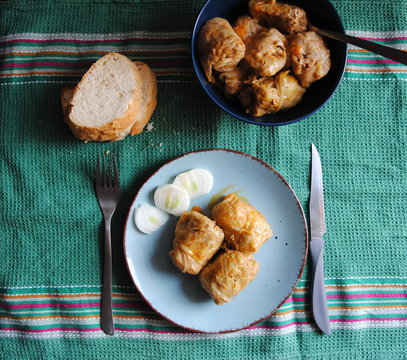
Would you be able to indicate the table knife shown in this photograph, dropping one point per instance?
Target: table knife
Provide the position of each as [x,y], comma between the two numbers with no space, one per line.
[318,229]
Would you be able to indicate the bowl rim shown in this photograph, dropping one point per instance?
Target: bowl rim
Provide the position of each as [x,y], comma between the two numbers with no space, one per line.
[196,64]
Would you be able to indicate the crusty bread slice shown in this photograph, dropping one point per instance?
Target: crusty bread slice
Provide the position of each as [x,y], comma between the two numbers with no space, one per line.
[148,97]
[147,104]
[106,101]
[66,97]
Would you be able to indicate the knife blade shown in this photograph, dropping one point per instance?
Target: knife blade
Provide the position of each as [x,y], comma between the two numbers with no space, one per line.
[318,229]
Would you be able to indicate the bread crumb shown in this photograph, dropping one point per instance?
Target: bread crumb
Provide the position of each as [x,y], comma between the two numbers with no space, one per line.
[150,126]
[107,152]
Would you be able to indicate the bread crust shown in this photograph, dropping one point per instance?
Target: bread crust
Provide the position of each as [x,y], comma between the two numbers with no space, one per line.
[147,107]
[119,127]
[66,97]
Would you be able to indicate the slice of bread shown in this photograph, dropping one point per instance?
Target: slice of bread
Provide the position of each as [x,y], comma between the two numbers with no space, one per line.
[66,97]
[109,101]
[148,97]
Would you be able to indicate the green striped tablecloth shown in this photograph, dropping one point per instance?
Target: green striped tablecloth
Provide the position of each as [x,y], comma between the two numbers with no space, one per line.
[50,266]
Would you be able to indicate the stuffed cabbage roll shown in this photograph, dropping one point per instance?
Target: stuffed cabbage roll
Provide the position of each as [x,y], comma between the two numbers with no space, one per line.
[245,228]
[231,82]
[272,94]
[246,27]
[228,275]
[219,47]
[266,52]
[197,239]
[246,96]
[289,90]
[265,98]
[287,18]
[310,57]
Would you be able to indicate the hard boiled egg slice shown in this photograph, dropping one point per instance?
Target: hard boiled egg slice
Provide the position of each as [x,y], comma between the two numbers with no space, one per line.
[149,218]
[197,182]
[172,199]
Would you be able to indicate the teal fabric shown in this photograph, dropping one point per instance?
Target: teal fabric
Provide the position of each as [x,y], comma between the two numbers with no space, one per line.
[51,223]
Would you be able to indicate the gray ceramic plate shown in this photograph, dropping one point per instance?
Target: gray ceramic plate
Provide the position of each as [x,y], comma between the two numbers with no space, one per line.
[179,297]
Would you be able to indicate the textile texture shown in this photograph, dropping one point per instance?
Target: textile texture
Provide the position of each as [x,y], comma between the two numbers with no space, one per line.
[51,230]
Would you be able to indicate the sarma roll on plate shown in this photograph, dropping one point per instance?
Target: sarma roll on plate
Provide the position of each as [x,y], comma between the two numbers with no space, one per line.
[244,226]
[228,275]
[197,238]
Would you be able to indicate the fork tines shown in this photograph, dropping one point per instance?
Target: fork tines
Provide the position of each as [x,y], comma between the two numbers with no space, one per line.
[106,172]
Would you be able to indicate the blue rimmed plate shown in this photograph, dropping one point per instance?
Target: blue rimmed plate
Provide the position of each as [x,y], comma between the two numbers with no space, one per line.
[179,297]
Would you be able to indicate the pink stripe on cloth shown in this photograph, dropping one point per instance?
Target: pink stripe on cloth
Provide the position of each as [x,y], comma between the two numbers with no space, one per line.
[396,38]
[62,305]
[297,299]
[160,39]
[50,330]
[50,304]
[365,296]
[155,331]
[377,61]
[6,42]
[299,323]
[94,330]
[47,63]
[81,64]
[367,319]
[296,323]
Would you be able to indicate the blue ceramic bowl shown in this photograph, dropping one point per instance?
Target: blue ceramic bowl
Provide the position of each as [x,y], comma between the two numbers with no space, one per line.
[322,14]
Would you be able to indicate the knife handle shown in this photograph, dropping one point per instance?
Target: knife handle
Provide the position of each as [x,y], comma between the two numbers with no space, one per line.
[319,304]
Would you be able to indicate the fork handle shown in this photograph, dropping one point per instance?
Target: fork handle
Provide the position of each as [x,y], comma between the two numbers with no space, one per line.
[386,51]
[106,319]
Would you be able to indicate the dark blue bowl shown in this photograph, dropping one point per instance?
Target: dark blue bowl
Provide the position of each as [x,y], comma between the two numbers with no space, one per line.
[322,14]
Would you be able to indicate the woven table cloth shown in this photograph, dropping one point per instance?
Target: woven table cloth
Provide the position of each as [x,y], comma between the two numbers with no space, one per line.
[51,233]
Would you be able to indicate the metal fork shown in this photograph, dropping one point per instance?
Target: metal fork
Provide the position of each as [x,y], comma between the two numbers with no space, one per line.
[108,193]
[386,51]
